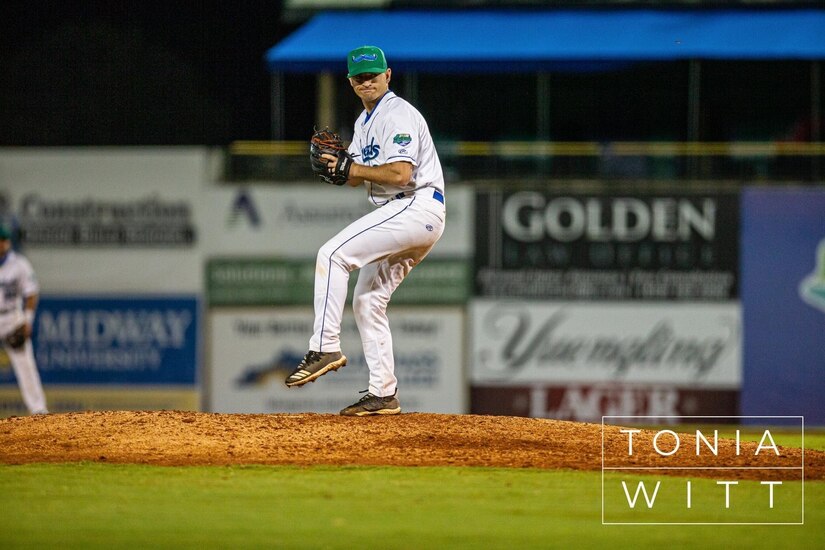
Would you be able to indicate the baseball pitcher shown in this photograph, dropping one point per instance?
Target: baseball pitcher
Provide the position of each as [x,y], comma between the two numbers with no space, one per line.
[18,301]
[392,155]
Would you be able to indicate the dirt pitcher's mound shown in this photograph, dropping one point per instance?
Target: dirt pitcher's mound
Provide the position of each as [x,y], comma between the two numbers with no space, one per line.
[176,438]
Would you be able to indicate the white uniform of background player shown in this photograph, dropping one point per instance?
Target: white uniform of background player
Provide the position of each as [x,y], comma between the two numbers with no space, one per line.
[18,301]
[395,159]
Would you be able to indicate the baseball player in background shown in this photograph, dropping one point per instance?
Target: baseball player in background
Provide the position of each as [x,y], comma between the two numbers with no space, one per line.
[392,155]
[18,301]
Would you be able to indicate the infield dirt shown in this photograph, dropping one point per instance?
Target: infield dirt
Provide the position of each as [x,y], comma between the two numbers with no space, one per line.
[175,438]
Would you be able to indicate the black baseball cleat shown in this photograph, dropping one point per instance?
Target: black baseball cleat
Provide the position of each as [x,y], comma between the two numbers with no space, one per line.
[315,364]
[372,404]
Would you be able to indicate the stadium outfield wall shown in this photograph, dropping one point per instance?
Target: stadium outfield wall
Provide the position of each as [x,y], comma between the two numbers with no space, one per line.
[164,287]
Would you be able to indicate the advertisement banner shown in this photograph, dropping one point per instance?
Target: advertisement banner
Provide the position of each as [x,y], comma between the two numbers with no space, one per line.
[589,402]
[125,340]
[97,220]
[293,221]
[143,221]
[690,345]
[541,244]
[251,353]
[240,282]
[783,298]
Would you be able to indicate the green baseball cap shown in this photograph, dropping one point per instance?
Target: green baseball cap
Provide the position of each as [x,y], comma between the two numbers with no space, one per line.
[5,232]
[366,59]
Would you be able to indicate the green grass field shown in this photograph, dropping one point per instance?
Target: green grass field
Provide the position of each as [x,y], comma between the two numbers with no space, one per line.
[90,505]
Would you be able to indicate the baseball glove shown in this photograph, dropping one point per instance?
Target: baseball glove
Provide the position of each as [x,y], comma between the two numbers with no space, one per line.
[328,142]
[17,339]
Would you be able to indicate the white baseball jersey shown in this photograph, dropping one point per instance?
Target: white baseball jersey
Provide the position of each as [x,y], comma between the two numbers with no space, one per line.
[396,131]
[17,281]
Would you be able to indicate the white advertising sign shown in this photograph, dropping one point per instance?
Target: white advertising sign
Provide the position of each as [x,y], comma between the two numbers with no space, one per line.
[103,220]
[688,345]
[252,351]
[293,221]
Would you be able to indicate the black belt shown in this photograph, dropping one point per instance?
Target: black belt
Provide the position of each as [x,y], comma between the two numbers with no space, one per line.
[437,195]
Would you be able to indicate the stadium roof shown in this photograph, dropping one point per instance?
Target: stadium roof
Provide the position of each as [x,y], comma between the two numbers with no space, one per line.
[506,41]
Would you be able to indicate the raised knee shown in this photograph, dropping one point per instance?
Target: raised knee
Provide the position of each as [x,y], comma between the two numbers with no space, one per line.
[323,256]
[329,256]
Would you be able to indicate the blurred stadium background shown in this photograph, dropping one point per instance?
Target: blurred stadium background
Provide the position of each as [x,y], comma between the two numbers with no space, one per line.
[635,189]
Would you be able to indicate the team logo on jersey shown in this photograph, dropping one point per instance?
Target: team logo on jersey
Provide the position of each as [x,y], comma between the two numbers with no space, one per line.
[370,151]
[9,291]
[402,139]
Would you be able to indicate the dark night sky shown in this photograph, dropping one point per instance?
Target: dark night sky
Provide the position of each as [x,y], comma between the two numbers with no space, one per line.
[136,73]
[190,72]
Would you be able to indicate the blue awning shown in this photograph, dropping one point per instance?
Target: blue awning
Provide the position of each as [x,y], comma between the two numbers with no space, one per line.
[526,41]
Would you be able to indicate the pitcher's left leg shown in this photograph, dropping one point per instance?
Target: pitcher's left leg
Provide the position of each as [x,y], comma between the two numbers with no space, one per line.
[376,283]
[369,305]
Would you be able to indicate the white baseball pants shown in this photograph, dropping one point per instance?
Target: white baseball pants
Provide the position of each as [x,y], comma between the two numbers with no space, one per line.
[28,379]
[385,245]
